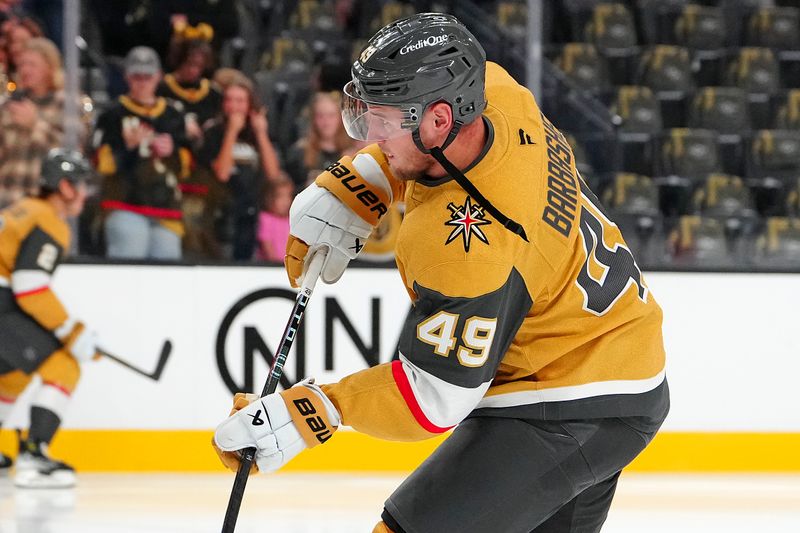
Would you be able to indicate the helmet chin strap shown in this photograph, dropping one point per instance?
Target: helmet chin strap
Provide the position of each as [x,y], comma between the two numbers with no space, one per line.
[450,138]
[438,153]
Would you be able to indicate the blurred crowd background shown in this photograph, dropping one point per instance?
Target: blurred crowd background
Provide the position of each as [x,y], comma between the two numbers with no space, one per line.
[203,118]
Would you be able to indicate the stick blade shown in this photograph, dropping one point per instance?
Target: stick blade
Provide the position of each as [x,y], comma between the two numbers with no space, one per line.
[166,350]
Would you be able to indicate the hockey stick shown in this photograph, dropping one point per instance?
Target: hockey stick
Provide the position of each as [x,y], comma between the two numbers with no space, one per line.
[166,350]
[248,454]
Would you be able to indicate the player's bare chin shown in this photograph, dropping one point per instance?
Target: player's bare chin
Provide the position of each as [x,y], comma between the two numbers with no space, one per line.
[382,528]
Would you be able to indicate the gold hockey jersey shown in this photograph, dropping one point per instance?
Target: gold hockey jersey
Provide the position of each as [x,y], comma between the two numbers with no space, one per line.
[33,240]
[560,327]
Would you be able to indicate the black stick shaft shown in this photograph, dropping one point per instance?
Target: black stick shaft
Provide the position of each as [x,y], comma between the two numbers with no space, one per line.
[289,334]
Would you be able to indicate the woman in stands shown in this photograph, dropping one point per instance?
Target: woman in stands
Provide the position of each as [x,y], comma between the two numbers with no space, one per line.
[198,98]
[324,144]
[31,120]
[14,35]
[238,151]
[191,57]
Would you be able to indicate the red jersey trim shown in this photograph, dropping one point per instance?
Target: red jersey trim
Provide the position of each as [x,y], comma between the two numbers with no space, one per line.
[31,292]
[57,386]
[155,212]
[401,380]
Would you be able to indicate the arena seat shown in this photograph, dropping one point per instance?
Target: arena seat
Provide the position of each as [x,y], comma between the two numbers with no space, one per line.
[699,241]
[756,71]
[613,32]
[587,69]
[702,30]
[788,116]
[639,115]
[667,71]
[779,244]
[632,194]
[774,27]
[726,111]
[684,158]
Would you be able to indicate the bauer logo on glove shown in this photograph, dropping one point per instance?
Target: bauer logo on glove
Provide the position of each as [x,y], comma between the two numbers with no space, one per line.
[279,426]
[336,214]
[354,183]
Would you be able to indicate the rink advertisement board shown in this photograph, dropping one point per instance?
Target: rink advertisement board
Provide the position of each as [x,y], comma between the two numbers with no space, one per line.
[731,346]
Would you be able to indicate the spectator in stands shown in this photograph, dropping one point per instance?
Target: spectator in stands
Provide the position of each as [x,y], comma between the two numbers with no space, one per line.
[325,143]
[273,221]
[30,120]
[238,150]
[191,57]
[224,76]
[199,99]
[14,34]
[142,152]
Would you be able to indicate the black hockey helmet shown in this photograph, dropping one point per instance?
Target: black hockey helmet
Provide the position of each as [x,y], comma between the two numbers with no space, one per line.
[408,65]
[61,163]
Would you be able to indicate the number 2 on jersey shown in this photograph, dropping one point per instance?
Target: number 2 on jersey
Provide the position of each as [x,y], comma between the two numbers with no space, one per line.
[439,331]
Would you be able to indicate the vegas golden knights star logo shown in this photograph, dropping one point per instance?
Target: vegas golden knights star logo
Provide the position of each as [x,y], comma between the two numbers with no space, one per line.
[467,220]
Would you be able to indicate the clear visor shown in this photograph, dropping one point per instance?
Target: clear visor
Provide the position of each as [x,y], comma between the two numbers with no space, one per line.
[373,122]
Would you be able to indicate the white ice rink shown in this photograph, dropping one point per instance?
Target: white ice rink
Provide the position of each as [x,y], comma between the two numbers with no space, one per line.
[291,503]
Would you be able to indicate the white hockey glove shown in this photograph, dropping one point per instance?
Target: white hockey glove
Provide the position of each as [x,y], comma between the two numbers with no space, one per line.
[79,340]
[337,213]
[279,426]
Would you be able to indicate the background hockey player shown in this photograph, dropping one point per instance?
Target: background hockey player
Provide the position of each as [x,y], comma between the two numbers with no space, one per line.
[38,335]
[533,332]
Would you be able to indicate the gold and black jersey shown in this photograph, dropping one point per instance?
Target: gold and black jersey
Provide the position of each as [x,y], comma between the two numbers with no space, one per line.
[561,326]
[134,179]
[33,240]
[201,99]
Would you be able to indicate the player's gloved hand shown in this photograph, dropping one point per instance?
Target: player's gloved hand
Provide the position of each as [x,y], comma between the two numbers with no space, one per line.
[336,214]
[79,340]
[231,459]
[279,426]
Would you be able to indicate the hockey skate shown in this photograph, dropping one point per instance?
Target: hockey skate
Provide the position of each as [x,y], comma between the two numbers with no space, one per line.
[35,469]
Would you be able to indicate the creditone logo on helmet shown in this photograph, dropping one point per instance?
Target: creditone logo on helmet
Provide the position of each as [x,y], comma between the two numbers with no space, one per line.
[433,40]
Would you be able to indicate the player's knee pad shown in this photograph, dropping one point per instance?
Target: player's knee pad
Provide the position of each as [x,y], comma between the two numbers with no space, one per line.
[60,370]
[381,527]
[12,384]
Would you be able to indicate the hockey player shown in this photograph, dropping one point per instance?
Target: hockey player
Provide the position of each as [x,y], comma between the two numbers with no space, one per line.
[532,331]
[38,335]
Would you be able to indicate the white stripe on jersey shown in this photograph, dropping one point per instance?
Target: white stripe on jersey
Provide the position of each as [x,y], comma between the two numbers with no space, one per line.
[28,280]
[443,403]
[51,398]
[574,392]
